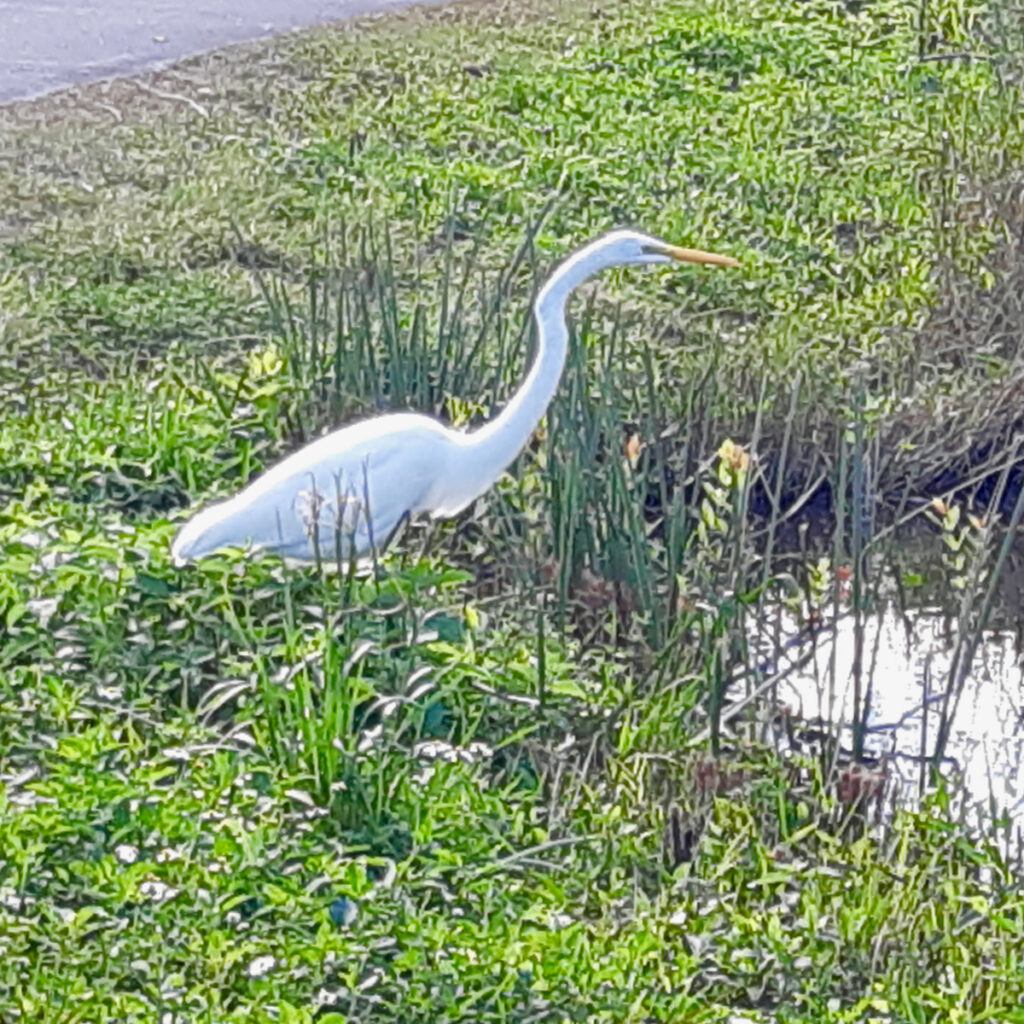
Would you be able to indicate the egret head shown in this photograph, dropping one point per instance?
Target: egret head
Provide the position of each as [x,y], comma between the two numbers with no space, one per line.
[615,249]
[628,246]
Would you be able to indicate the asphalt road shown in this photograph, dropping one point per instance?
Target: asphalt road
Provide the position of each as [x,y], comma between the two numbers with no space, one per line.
[49,44]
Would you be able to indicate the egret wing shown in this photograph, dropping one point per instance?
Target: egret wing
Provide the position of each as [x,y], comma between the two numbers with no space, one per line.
[347,502]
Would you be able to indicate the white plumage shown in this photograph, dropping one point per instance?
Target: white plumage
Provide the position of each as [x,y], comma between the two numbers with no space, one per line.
[340,497]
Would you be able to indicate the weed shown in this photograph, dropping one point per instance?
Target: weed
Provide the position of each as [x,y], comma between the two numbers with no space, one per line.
[473,784]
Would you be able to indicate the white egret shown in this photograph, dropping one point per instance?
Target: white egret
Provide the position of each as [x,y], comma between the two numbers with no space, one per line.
[342,496]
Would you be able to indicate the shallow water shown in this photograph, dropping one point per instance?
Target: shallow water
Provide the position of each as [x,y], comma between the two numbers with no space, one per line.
[907,661]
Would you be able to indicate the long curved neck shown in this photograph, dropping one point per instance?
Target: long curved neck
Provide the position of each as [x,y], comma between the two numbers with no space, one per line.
[498,442]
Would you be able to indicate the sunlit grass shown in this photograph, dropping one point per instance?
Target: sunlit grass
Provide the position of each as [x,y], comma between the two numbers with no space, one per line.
[467,787]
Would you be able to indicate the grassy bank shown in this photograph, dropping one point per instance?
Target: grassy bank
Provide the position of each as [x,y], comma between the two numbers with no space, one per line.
[243,792]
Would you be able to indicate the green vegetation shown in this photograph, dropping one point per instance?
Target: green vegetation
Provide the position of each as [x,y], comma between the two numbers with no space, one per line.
[472,787]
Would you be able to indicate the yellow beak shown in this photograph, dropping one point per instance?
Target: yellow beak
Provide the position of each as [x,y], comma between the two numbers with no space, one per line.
[699,256]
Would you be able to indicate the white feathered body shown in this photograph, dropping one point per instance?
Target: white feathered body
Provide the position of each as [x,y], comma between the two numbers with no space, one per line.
[340,495]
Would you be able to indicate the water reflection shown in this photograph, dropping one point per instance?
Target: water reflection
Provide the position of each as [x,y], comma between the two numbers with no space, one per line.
[907,666]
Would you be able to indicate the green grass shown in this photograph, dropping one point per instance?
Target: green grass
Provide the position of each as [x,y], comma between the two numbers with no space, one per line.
[245,792]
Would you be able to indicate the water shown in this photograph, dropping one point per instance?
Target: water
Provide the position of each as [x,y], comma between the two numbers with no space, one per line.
[907,674]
